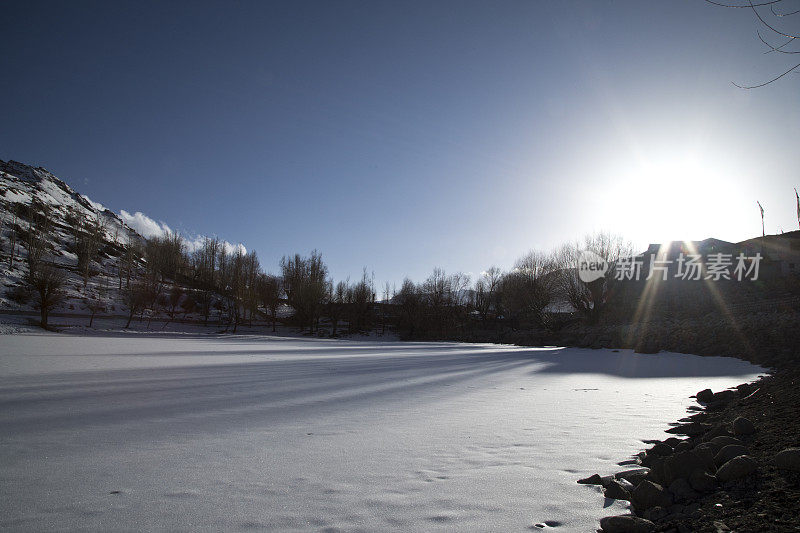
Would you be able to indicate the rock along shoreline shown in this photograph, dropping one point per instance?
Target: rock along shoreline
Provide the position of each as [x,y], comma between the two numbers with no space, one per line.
[732,465]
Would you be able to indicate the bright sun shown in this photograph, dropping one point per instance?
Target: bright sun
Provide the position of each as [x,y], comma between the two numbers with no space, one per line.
[678,197]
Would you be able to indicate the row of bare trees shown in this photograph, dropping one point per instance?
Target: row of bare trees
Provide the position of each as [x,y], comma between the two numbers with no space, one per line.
[161,276]
[538,287]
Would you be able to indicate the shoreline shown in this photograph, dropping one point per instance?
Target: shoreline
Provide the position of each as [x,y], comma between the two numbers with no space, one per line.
[731,465]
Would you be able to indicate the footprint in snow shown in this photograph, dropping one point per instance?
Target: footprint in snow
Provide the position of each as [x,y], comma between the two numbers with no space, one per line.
[545,524]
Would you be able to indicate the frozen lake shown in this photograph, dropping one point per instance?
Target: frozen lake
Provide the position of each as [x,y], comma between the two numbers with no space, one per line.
[201,433]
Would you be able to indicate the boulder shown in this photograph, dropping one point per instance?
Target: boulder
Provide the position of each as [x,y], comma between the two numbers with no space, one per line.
[649,494]
[702,481]
[743,426]
[788,459]
[705,395]
[594,479]
[655,514]
[729,452]
[682,490]
[682,464]
[717,431]
[692,429]
[737,468]
[660,450]
[617,491]
[633,476]
[724,397]
[720,442]
[626,524]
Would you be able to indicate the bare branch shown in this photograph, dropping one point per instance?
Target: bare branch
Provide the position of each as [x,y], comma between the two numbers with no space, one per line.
[777,48]
[772,8]
[767,82]
[764,22]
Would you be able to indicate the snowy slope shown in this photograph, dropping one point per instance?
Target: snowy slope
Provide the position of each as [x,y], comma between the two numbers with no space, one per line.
[133,432]
[20,184]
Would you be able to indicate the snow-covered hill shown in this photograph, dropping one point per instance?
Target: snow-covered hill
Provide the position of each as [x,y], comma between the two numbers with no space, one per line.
[22,185]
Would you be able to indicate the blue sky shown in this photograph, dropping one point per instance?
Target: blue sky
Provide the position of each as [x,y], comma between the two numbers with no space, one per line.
[406,135]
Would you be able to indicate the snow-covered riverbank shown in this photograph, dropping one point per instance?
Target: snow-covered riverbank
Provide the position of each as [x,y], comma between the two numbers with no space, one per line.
[199,432]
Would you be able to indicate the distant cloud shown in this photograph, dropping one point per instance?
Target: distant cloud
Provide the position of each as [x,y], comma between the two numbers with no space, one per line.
[149,228]
[97,205]
[144,225]
[196,243]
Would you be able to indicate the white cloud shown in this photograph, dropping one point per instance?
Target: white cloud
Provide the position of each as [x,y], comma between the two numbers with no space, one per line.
[144,225]
[149,228]
[196,243]
[97,205]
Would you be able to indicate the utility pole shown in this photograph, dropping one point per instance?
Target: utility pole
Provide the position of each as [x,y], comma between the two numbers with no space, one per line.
[763,234]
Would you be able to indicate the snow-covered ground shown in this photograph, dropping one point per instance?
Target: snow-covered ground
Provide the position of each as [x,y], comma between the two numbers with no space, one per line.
[196,433]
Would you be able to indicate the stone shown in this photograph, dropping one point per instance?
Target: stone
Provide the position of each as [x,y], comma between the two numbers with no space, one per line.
[737,468]
[633,476]
[682,490]
[692,429]
[626,524]
[648,494]
[682,464]
[720,442]
[616,491]
[705,395]
[788,459]
[724,397]
[743,426]
[702,481]
[729,452]
[683,446]
[655,514]
[717,431]
[660,450]
[594,479]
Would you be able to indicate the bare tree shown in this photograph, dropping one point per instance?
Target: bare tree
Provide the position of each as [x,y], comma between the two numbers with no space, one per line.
[47,283]
[589,298]
[95,303]
[269,288]
[305,283]
[774,18]
[487,294]
[528,288]
[336,303]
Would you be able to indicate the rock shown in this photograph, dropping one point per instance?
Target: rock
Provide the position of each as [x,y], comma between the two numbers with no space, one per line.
[736,468]
[692,429]
[724,397]
[649,494]
[594,479]
[693,508]
[672,442]
[655,514]
[743,426]
[729,452]
[626,524]
[788,459]
[682,464]
[633,476]
[702,481]
[717,431]
[720,442]
[705,395]
[660,450]
[616,491]
[683,446]
[681,490]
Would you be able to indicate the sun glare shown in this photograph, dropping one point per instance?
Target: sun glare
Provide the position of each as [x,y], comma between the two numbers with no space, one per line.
[675,198]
